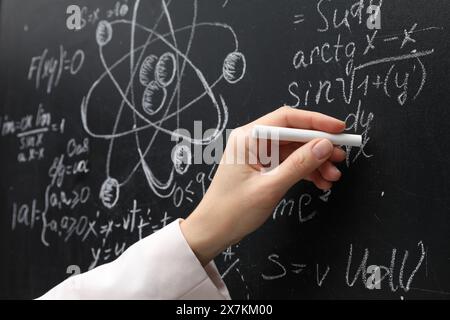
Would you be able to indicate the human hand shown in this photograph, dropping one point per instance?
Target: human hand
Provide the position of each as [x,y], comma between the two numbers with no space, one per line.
[241,198]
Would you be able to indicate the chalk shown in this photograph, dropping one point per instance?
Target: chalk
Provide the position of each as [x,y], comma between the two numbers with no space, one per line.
[302,135]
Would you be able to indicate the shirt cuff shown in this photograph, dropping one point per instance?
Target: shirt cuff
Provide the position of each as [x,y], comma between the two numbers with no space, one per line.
[206,282]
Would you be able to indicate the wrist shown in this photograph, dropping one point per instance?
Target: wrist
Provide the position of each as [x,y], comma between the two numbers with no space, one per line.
[203,237]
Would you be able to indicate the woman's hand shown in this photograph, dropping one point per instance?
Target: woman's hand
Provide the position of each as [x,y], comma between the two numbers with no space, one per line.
[241,198]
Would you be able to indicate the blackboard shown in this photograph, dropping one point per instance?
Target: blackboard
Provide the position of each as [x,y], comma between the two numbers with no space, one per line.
[86,165]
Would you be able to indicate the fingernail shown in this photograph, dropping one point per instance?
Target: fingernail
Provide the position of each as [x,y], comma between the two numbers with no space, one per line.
[322,149]
[337,172]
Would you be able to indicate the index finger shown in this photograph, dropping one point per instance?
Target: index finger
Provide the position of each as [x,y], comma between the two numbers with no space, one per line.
[301,119]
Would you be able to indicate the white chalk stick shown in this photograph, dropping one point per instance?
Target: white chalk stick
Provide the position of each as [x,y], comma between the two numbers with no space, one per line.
[302,135]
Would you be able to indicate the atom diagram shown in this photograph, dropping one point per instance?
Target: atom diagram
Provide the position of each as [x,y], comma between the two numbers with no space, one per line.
[159,77]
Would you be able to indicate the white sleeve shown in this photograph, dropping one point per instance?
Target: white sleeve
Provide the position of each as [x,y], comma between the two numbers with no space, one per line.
[161,266]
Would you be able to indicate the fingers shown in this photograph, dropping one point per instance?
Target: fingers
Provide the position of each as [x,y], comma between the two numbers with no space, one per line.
[319,181]
[338,155]
[325,176]
[329,172]
[286,151]
[294,118]
[302,163]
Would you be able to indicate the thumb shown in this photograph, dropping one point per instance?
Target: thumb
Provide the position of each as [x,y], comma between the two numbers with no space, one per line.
[302,162]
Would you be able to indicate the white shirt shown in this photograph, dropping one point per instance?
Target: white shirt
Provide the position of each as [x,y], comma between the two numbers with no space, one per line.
[161,266]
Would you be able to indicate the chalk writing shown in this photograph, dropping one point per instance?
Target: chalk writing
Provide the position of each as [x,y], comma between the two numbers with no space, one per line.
[45,67]
[30,132]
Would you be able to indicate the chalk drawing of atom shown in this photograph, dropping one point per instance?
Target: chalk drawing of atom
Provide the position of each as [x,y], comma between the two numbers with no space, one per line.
[163,85]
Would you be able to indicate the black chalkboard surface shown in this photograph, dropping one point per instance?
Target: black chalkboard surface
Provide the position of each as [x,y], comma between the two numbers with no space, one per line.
[86,121]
